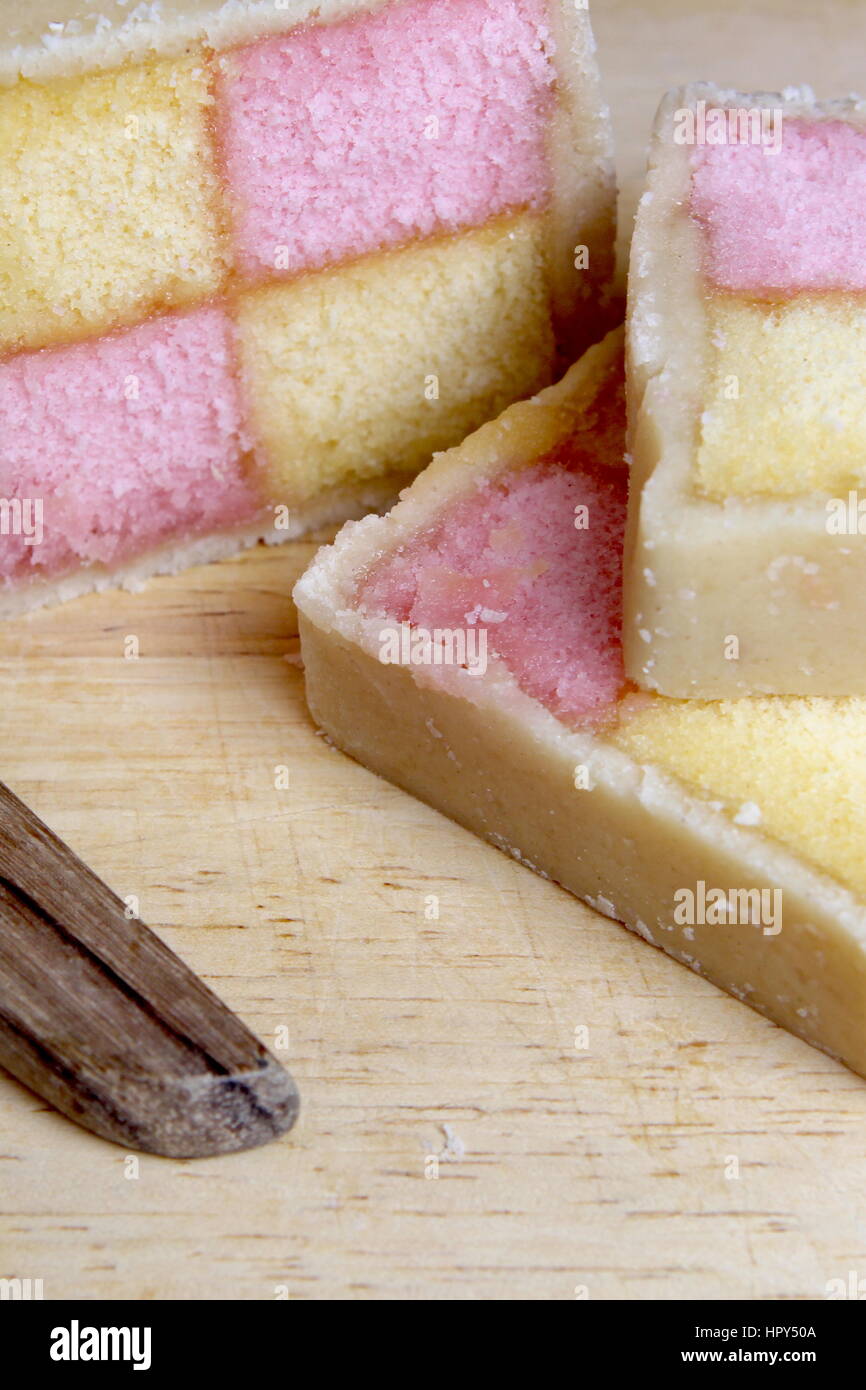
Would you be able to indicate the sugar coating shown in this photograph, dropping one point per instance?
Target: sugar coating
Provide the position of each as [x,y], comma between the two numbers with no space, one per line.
[128,440]
[367,369]
[427,116]
[509,559]
[107,201]
[787,221]
[802,762]
[786,403]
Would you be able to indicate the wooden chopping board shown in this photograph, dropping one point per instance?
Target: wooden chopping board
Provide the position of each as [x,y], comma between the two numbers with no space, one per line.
[420,1043]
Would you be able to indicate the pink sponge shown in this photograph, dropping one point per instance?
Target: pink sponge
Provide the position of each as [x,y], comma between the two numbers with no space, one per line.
[510,559]
[126,440]
[786,221]
[428,116]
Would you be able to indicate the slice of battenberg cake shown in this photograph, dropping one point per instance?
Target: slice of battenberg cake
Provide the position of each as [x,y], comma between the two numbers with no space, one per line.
[259,260]
[746,552]
[467,647]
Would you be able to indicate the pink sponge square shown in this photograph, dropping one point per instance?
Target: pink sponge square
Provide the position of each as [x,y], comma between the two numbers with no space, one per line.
[786,221]
[124,440]
[427,116]
[534,559]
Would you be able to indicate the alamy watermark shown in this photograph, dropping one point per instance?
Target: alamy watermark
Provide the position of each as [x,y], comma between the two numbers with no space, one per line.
[440,646]
[716,907]
[77,1343]
[852,1287]
[22,516]
[729,125]
[846,516]
[21,1290]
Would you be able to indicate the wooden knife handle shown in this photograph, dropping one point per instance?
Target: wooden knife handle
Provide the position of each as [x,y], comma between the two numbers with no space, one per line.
[100,1018]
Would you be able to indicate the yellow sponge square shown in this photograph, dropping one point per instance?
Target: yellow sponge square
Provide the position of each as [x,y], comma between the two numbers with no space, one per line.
[369,368]
[786,413]
[108,201]
[771,760]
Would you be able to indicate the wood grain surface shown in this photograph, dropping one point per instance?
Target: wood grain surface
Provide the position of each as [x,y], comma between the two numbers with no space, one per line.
[453,1141]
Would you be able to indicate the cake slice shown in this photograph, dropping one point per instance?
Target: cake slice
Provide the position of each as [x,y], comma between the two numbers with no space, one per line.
[258,261]
[467,647]
[746,557]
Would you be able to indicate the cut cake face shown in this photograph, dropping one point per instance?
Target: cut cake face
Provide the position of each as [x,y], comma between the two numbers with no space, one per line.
[467,647]
[745,560]
[258,263]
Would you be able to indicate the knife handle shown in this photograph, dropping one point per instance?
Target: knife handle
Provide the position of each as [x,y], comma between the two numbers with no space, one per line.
[101,1019]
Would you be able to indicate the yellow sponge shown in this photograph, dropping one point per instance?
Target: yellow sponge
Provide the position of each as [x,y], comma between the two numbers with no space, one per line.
[371,367]
[771,760]
[787,407]
[108,201]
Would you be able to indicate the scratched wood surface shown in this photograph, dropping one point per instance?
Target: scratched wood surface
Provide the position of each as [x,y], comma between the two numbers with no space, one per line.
[608,1170]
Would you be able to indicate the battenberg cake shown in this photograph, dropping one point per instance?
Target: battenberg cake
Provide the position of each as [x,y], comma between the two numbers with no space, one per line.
[259,260]
[746,557]
[467,647]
